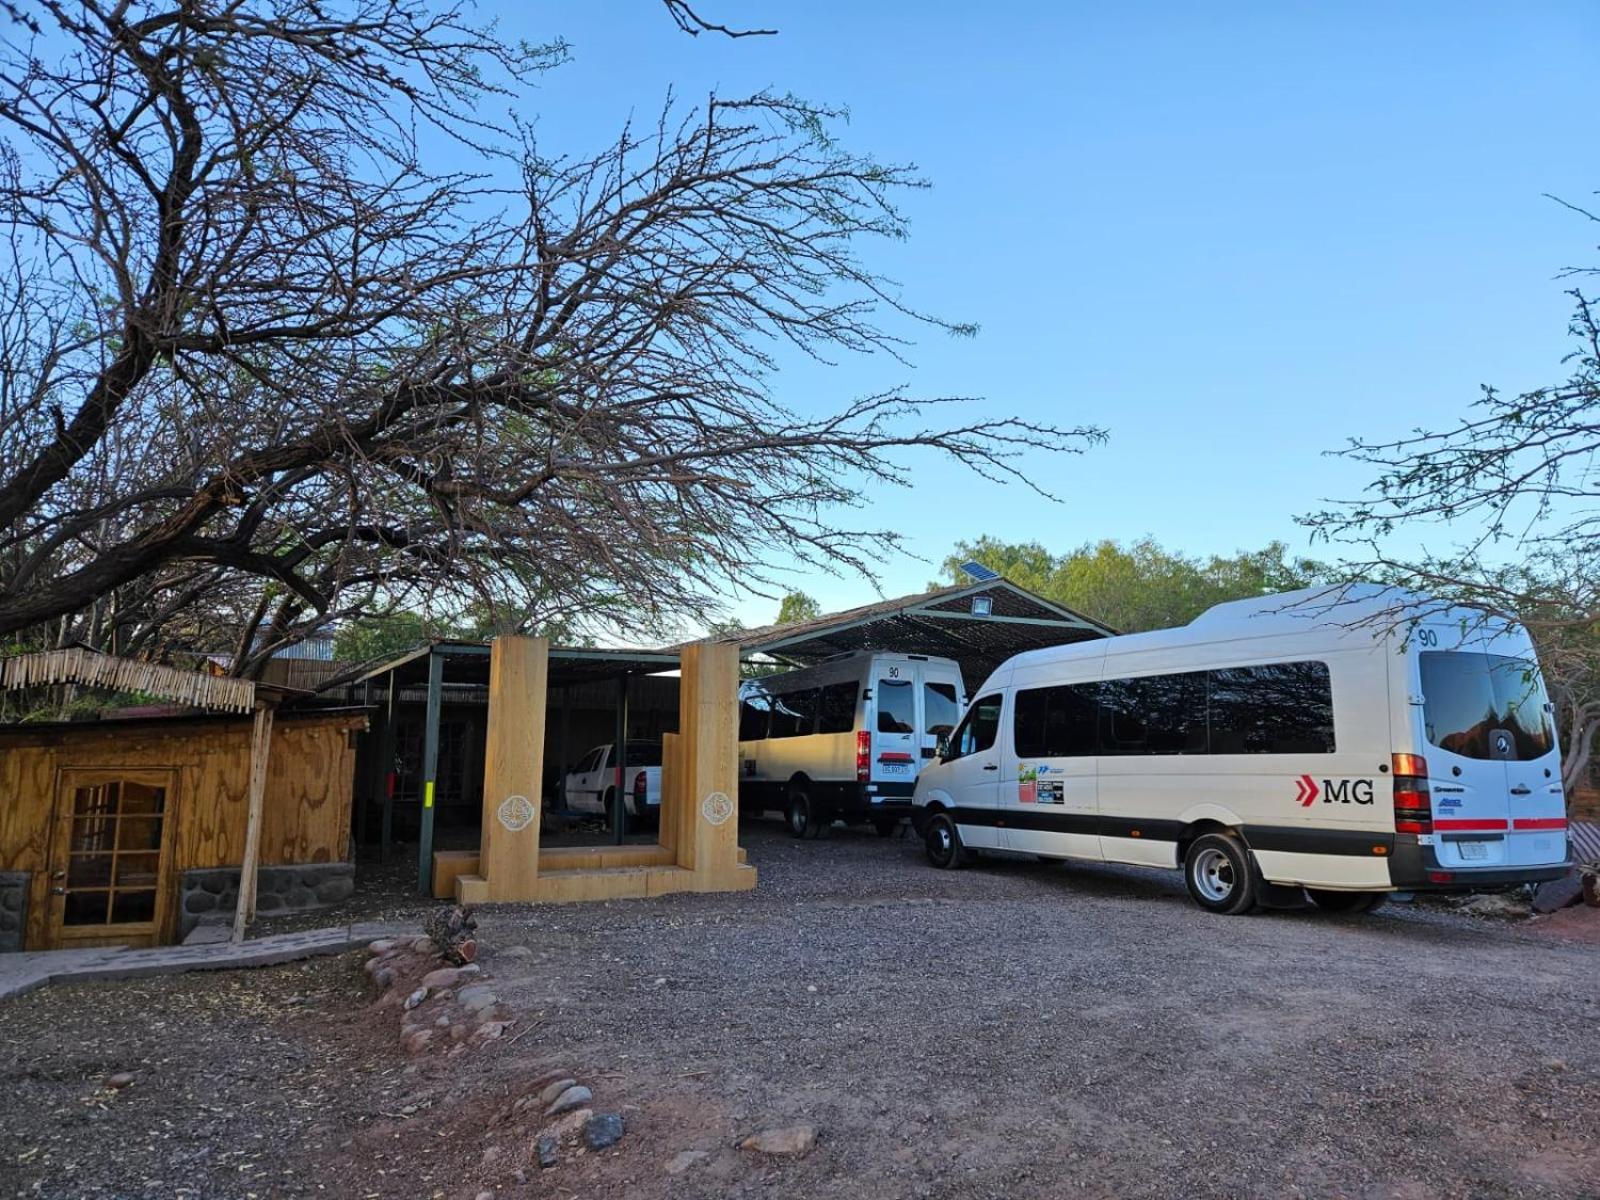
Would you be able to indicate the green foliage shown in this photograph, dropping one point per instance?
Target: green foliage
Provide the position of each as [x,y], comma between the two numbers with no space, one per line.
[1140,586]
[797,606]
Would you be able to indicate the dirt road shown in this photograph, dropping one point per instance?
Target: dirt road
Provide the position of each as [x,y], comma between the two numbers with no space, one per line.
[1016,1029]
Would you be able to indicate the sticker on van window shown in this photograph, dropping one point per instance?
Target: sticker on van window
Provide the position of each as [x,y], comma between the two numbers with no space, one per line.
[1027,785]
[1052,791]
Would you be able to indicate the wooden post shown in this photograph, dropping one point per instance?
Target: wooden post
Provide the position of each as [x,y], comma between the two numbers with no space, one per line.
[513,767]
[244,910]
[430,771]
[708,753]
[671,815]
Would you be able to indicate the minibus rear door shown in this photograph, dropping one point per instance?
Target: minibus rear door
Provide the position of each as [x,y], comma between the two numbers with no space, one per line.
[1468,749]
[896,741]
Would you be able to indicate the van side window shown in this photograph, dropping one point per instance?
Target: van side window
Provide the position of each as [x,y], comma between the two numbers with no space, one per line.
[897,706]
[754,711]
[837,711]
[977,732]
[794,714]
[939,707]
[1056,722]
[1154,714]
[1278,708]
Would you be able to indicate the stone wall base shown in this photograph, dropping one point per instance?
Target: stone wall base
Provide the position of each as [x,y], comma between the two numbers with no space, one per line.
[13,908]
[210,894]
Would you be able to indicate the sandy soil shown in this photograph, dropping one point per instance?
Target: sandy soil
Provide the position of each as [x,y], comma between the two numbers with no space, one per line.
[1015,1029]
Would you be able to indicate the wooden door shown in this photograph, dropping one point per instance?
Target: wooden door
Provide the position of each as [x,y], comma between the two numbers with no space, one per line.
[110,854]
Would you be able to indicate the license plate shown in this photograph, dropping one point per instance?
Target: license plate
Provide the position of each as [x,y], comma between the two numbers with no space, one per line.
[895,768]
[1473,851]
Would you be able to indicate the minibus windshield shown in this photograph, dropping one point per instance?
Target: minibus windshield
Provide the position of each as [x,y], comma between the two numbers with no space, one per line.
[1467,695]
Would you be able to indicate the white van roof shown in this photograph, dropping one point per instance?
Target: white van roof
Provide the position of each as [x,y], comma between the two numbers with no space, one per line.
[1339,612]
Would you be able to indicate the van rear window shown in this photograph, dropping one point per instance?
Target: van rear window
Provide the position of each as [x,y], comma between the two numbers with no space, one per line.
[1468,696]
[897,706]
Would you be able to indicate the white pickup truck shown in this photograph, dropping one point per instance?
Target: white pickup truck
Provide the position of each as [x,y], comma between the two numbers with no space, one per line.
[590,786]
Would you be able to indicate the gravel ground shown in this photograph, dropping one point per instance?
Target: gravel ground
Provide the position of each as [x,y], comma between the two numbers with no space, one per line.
[1016,1029]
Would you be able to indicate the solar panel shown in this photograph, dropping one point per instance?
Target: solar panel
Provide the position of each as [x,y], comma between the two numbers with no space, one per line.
[978,573]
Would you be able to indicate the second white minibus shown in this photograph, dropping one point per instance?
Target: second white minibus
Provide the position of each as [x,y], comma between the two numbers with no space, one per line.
[845,739]
[1316,742]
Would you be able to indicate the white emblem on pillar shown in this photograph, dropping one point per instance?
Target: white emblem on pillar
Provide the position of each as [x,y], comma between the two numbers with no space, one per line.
[515,813]
[716,807]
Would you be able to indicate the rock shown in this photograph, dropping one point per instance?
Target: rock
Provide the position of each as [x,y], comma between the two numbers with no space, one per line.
[565,1128]
[546,1150]
[517,952]
[790,1139]
[417,1040]
[423,945]
[1557,894]
[486,1194]
[383,977]
[444,977]
[442,1022]
[520,1175]
[684,1159]
[491,1031]
[119,1081]
[603,1130]
[381,946]
[416,998]
[573,1097]
[554,1088]
[476,998]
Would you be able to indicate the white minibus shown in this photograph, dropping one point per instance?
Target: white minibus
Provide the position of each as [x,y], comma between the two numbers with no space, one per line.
[844,740]
[1341,744]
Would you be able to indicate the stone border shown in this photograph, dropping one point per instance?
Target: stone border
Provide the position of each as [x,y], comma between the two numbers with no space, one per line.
[209,894]
[13,909]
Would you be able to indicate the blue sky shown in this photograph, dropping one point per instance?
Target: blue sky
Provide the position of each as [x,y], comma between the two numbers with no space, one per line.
[1233,234]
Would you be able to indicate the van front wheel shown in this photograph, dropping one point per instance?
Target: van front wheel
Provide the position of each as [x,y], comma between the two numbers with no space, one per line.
[1217,872]
[942,841]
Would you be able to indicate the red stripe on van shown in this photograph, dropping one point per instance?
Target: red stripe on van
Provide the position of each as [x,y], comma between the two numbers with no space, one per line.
[894,756]
[1466,824]
[1539,823]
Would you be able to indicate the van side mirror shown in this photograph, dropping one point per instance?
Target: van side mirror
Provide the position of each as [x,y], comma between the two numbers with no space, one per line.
[941,748]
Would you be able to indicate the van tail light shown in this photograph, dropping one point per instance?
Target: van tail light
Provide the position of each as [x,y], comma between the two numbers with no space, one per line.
[1413,801]
[641,790]
[863,755]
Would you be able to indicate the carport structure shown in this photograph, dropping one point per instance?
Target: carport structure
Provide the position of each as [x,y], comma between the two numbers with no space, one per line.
[980,625]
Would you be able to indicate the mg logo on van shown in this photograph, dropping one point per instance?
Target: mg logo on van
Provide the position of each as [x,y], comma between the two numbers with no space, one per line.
[1332,791]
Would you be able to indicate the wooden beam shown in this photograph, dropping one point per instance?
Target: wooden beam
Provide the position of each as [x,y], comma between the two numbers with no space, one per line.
[260,748]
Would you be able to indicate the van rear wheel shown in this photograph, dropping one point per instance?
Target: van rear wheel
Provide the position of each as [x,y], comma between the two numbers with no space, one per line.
[1217,872]
[942,841]
[1344,902]
[804,820]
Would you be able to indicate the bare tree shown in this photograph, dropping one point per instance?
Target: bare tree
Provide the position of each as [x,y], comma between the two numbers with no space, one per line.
[269,364]
[1519,472]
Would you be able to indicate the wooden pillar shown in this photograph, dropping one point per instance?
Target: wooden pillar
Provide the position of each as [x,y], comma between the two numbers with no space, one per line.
[513,770]
[430,772]
[708,752]
[244,910]
[671,815]
[367,791]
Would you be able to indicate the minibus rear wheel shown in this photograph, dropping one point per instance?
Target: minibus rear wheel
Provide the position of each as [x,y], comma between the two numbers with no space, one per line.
[804,821]
[1217,872]
[1344,902]
[942,841]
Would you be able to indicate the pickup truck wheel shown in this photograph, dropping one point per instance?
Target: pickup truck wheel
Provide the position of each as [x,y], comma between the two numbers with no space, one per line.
[804,821]
[1219,876]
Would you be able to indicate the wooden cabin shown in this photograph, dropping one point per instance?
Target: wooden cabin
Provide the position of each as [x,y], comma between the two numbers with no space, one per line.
[132,832]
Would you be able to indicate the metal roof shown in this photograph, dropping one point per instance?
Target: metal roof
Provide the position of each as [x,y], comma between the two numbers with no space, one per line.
[939,622]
